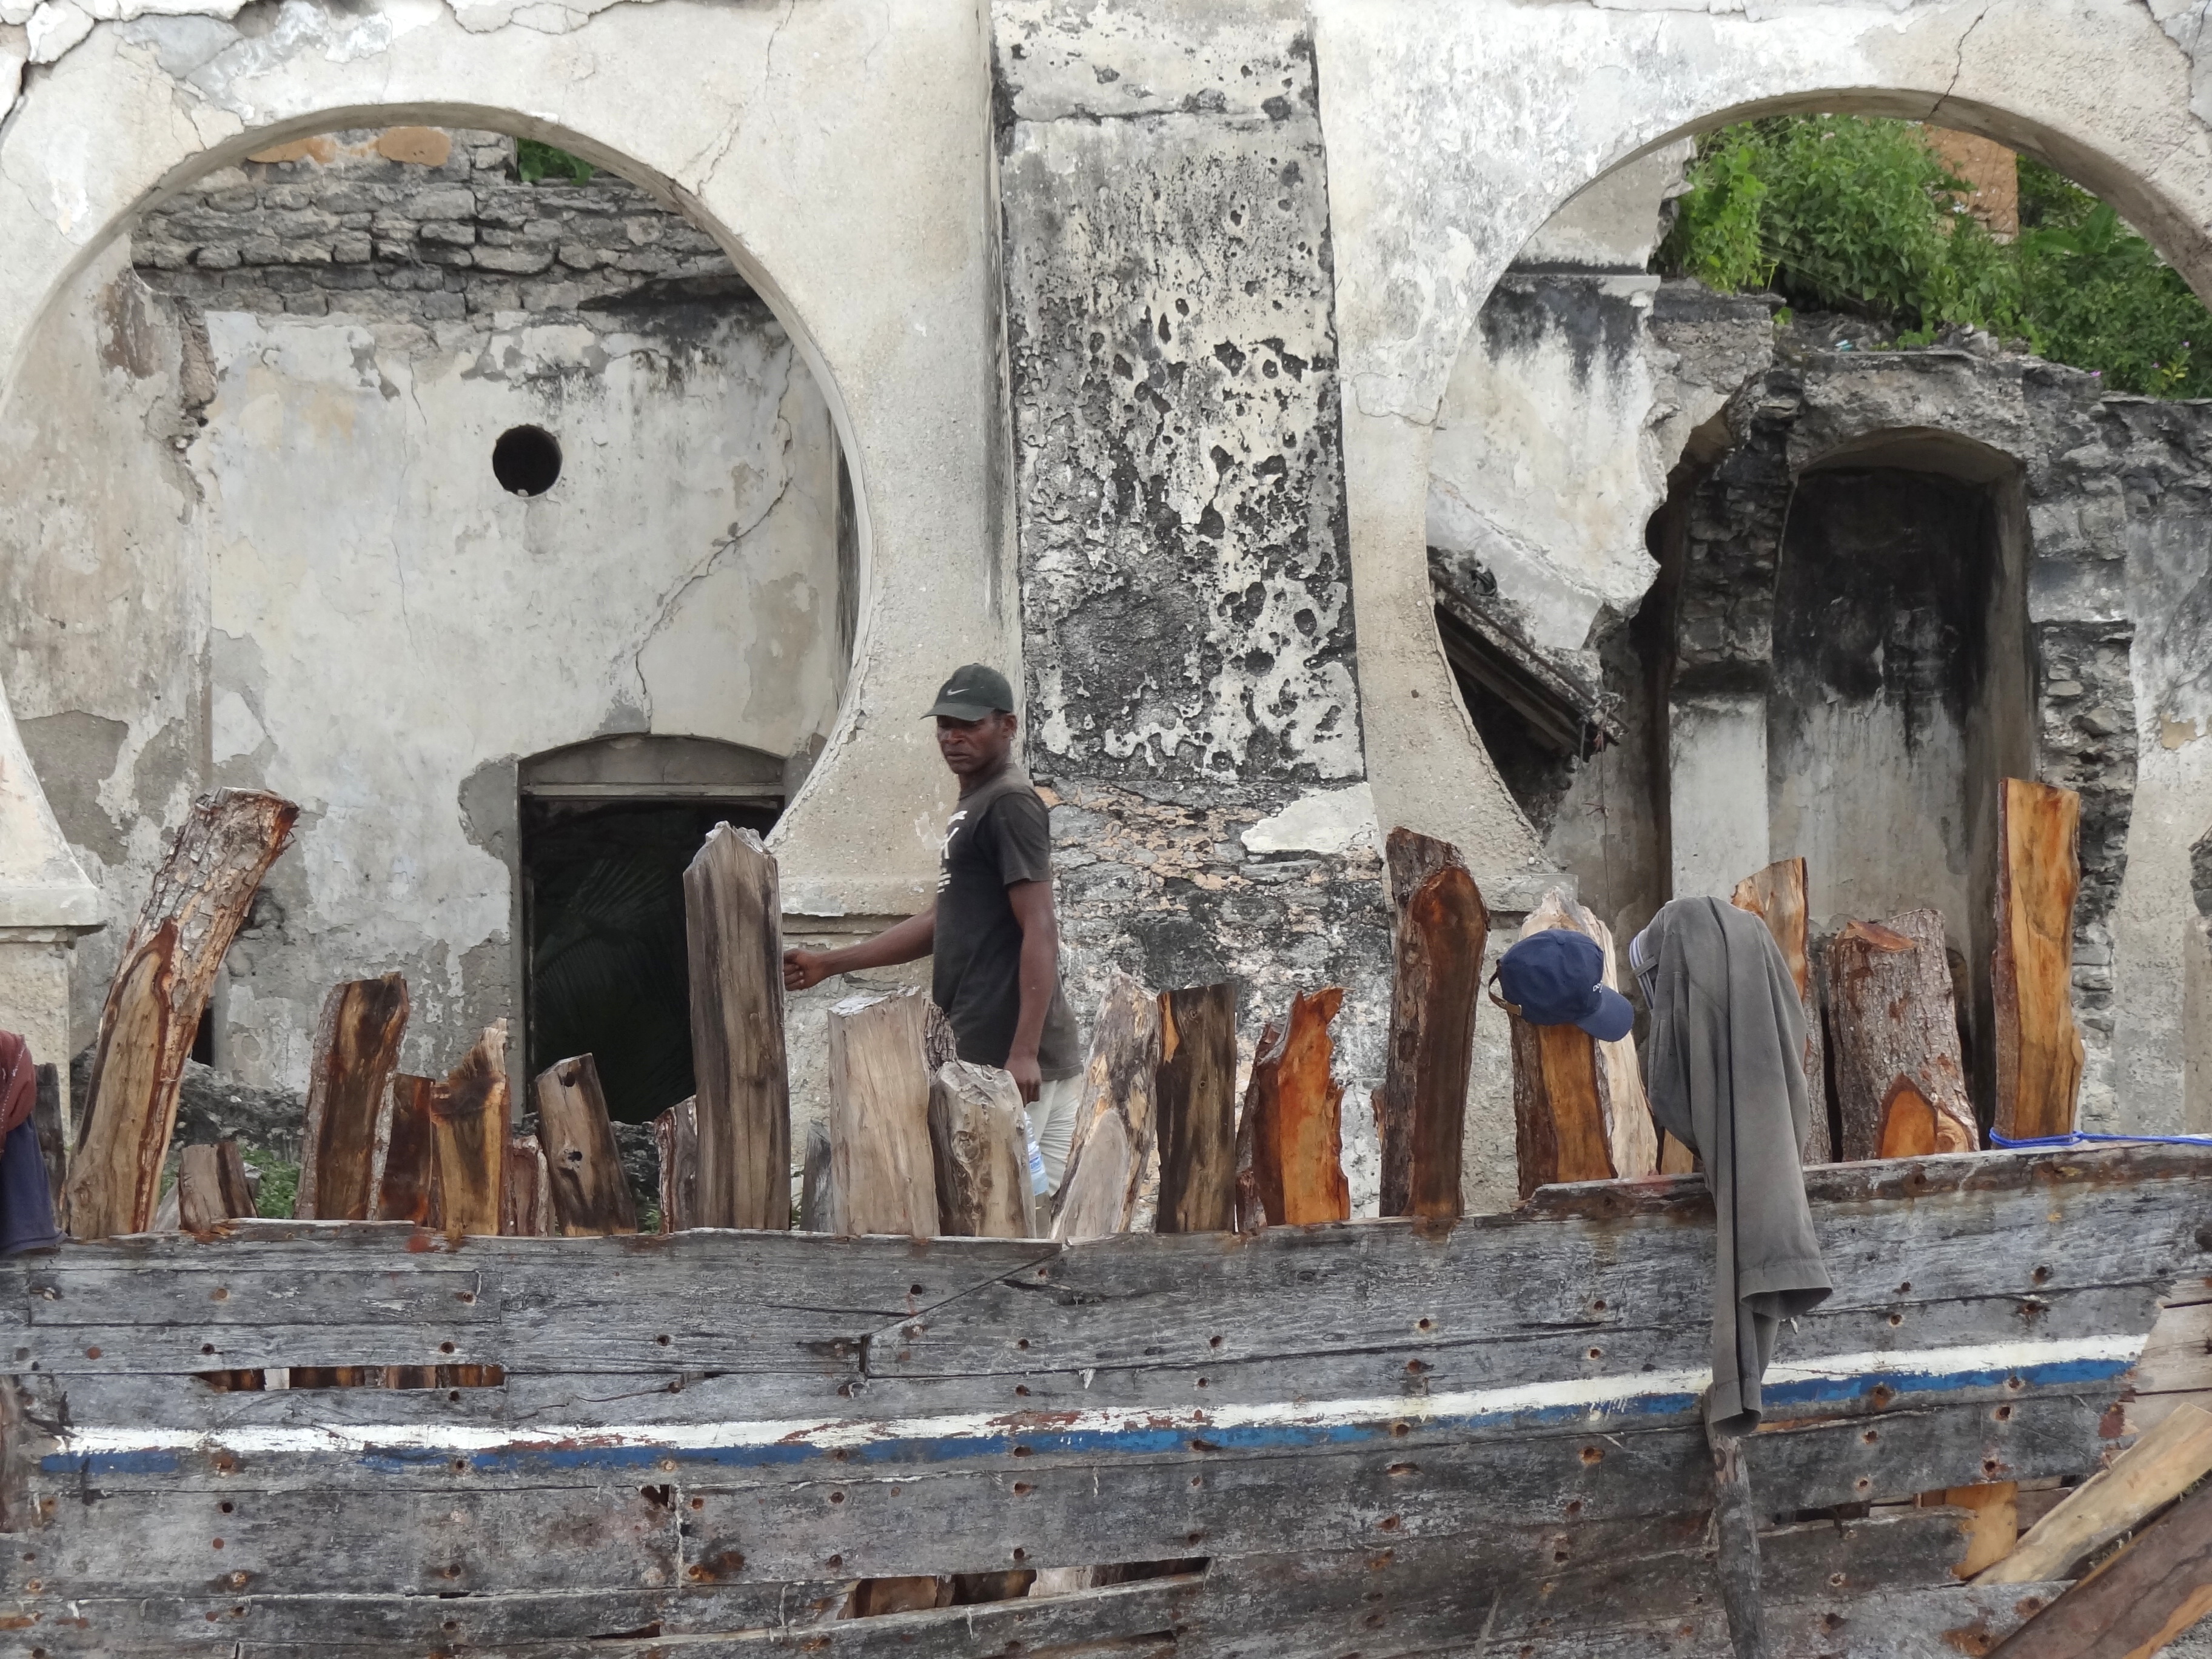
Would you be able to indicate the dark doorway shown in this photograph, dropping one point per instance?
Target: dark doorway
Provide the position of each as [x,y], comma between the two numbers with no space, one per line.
[607,829]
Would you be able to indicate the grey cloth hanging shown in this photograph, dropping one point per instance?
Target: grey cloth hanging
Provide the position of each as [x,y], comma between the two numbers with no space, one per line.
[1725,1080]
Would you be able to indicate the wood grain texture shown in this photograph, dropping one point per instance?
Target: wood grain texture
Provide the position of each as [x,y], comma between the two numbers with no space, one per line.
[1195,1098]
[1895,1019]
[1420,1110]
[53,1133]
[1995,1506]
[980,1154]
[1631,1133]
[733,920]
[2039,876]
[1563,1109]
[211,1187]
[200,894]
[469,1124]
[818,1191]
[676,1139]
[1115,1121]
[348,1071]
[1777,897]
[1736,1528]
[880,1157]
[2154,1471]
[406,1187]
[525,1193]
[591,1195]
[2157,1587]
[1292,1126]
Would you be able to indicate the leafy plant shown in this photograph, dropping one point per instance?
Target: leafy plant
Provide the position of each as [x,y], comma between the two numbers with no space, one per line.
[280,1183]
[534,161]
[1841,213]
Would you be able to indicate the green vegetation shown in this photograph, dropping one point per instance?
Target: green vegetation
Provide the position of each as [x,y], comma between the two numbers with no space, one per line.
[280,1183]
[535,161]
[1840,213]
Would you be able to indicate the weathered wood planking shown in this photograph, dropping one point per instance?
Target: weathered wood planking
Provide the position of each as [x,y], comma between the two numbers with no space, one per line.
[734,921]
[590,1195]
[356,1048]
[2032,975]
[1271,1404]
[1195,1097]
[1420,1110]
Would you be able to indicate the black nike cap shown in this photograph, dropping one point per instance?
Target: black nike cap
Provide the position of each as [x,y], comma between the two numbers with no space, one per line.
[973,692]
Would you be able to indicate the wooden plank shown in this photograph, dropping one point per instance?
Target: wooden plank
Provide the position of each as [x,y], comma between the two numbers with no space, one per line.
[356,1050]
[2038,876]
[468,1136]
[879,1116]
[733,920]
[1115,1123]
[1995,1506]
[1195,1097]
[1420,1109]
[2154,1471]
[1901,1082]
[1736,1529]
[1293,1119]
[818,1192]
[406,1188]
[200,895]
[1632,1133]
[211,1187]
[980,1155]
[591,1195]
[1563,1109]
[1777,897]
[2157,1587]
[525,1193]
[676,1137]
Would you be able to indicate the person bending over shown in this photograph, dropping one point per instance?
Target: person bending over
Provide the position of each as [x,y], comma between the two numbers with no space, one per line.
[992,928]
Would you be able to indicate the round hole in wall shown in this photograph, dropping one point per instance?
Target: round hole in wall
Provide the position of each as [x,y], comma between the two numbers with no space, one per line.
[526,460]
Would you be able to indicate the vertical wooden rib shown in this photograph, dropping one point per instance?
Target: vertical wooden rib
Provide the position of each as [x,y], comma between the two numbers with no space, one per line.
[733,920]
[526,1197]
[1896,1030]
[2039,876]
[981,1155]
[591,1194]
[1776,896]
[1563,1107]
[1293,1114]
[1195,1097]
[356,1046]
[1115,1123]
[199,899]
[406,1189]
[676,1137]
[1421,1108]
[469,1135]
[879,1152]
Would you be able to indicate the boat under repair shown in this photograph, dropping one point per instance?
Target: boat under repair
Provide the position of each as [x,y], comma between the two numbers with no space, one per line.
[1373,1437]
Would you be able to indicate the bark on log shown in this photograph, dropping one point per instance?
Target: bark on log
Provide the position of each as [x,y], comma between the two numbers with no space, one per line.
[1776,896]
[356,1048]
[1115,1123]
[406,1190]
[2038,876]
[981,1155]
[1194,1097]
[1900,1083]
[734,919]
[1290,1139]
[200,897]
[525,1194]
[2133,1605]
[676,1137]
[1421,1107]
[469,1133]
[879,1152]
[591,1195]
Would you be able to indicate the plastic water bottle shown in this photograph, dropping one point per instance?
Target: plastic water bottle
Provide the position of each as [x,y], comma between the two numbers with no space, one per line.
[1039,1183]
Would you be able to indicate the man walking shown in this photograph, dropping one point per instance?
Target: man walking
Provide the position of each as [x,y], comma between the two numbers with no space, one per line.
[992,928]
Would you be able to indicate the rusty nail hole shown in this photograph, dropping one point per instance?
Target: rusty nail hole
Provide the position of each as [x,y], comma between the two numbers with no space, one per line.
[1022,1388]
[1021,1555]
[913,1289]
[1213,1342]
[835,1561]
[1022,1489]
[444,1348]
[1415,1367]
[454,1395]
[460,1464]
[698,1503]
[1405,1469]
[837,1497]
[1599,1304]
[1990,1466]
[662,1341]
[1424,1325]
[1905,1288]
[2041,1276]
[2004,1413]
[1592,1455]
[1201,1382]
[1192,1537]
[1836,1580]
[1574,1507]
[1897,1318]
[1390,1523]
[1597,1353]
[220,1293]
[1401,1428]
[1024,1342]
[218,1543]
[225,1506]
[92,1354]
[464,1296]
[207,1347]
[1861,1484]
[837,1456]
[1021,1451]
[1871,1436]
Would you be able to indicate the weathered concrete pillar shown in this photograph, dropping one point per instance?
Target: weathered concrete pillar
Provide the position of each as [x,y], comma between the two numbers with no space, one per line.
[1717,790]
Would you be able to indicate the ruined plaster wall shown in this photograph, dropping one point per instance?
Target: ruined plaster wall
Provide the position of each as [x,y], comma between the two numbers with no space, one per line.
[1187,610]
[348,608]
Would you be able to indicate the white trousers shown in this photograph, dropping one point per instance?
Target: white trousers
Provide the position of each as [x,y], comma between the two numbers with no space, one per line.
[1053,1116]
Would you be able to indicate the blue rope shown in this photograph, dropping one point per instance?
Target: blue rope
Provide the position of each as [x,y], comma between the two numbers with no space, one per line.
[2076,1137]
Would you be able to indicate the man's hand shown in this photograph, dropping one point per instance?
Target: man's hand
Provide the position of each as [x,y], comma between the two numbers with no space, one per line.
[803,968]
[1022,1066]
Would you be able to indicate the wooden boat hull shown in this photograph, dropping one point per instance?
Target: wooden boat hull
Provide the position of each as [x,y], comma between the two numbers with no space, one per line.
[1375,1437]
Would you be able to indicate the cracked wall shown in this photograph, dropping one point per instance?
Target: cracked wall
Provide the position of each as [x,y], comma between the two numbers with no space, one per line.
[304,576]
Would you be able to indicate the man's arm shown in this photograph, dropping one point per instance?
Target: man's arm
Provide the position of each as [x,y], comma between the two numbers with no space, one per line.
[1040,925]
[906,941]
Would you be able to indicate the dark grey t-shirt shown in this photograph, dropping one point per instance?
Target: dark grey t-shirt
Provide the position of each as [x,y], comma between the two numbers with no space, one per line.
[998,834]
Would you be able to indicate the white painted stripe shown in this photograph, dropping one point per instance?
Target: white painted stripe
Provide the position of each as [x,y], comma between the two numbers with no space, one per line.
[1599,1395]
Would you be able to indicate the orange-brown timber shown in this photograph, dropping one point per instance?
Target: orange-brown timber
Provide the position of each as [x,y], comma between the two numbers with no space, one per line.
[1421,1107]
[2038,876]
[1776,896]
[356,1046]
[407,1188]
[469,1133]
[199,899]
[591,1195]
[1890,997]
[1293,1112]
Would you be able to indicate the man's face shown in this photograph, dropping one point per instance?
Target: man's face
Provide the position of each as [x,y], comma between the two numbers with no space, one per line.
[970,747]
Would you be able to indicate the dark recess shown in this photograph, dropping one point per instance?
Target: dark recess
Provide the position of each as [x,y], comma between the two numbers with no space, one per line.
[526,460]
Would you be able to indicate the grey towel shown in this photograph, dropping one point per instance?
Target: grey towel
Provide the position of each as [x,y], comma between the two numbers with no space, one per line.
[1725,1079]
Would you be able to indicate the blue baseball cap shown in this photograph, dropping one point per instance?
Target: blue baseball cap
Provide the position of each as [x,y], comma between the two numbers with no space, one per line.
[1556,978]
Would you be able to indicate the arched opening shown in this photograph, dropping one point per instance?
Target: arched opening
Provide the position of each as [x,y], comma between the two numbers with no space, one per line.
[367,464]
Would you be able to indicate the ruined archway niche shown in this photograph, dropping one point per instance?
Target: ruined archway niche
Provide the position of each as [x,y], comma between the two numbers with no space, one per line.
[269,534]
